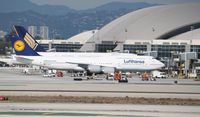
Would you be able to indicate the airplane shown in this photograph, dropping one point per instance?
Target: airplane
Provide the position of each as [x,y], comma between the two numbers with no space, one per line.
[28,51]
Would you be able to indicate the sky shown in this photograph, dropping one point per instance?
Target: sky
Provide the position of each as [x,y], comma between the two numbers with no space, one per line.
[86,4]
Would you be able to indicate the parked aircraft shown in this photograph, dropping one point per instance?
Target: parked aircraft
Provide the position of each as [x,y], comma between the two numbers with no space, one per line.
[29,51]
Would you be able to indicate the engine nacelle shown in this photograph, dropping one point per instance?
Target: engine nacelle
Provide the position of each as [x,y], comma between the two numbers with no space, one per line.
[108,69]
[99,69]
[94,68]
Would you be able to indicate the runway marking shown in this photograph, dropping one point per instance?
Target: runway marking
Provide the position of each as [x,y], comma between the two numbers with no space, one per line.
[12,85]
[61,114]
[49,113]
[90,91]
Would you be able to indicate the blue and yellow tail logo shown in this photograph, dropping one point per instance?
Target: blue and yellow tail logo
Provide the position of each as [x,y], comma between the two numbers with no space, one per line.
[19,45]
[21,32]
[23,43]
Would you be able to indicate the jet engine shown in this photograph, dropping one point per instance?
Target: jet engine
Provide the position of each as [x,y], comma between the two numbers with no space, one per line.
[99,69]
[94,68]
[108,69]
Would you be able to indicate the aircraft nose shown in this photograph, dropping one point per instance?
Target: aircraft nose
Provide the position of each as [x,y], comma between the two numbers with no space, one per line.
[161,64]
[158,64]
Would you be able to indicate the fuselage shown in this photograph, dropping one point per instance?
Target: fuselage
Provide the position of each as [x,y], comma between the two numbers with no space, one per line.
[120,61]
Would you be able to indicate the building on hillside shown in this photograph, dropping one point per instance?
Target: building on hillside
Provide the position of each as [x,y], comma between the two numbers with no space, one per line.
[33,30]
[44,32]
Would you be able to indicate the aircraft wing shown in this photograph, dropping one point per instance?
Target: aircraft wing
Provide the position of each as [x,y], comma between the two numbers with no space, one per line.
[92,68]
[24,60]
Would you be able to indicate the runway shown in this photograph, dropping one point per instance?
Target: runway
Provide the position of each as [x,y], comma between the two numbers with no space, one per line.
[70,109]
[20,84]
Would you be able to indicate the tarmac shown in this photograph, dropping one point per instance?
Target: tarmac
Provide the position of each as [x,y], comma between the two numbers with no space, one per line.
[15,83]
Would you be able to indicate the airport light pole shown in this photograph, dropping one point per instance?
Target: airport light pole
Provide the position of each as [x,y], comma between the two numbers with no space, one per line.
[186,63]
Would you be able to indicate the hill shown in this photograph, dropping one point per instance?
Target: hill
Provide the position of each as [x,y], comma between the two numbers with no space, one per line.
[61,20]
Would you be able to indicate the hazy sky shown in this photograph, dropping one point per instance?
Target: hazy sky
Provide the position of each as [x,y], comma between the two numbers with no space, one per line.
[85,4]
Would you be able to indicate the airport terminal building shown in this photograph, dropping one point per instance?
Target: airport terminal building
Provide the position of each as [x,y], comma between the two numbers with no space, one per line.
[166,29]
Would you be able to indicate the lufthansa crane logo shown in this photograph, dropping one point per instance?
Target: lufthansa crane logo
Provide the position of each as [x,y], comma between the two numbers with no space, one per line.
[19,45]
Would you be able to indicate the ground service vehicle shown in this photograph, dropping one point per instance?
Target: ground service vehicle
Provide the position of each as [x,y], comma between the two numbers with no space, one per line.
[158,74]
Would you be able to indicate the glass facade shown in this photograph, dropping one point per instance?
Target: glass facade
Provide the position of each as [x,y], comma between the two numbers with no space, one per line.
[162,50]
[166,50]
[66,47]
[63,47]
[135,48]
[45,46]
[105,47]
[195,48]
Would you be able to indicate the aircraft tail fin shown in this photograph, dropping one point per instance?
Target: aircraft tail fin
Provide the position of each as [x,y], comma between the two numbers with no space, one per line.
[21,32]
[21,47]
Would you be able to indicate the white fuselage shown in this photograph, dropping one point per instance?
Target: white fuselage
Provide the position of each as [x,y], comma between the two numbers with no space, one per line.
[119,61]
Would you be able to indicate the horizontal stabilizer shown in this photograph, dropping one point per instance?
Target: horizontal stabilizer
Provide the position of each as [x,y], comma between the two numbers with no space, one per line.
[23,60]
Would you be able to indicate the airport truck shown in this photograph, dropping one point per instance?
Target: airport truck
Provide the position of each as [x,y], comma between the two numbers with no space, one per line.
[158,74]
[195,73]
